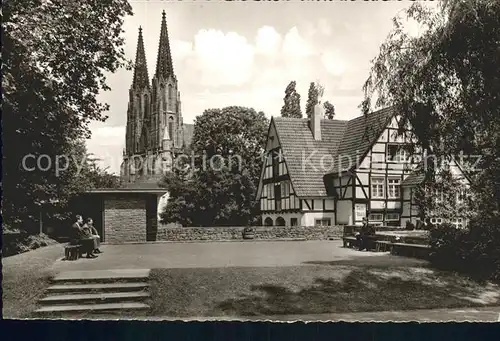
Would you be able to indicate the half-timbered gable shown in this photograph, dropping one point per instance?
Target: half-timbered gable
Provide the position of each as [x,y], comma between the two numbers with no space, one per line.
[380,172]
[295,165]
[320,172]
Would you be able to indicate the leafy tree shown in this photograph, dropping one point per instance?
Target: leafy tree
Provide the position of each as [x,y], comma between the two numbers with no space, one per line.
[329,110]
[442,195]
[221,185]
[446,82]
[291,107]
[55,54]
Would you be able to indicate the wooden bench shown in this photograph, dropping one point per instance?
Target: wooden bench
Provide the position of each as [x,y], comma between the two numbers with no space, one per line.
[72,252]
[350,241]
[412,250]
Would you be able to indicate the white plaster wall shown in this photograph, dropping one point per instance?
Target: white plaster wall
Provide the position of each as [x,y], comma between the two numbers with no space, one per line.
[308,219]
[344,212]
[286,216]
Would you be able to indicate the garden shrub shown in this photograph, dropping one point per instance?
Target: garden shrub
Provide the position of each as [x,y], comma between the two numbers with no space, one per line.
[21,242]
[474,250]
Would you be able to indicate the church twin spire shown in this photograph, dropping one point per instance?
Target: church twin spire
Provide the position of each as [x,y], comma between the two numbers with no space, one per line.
[164,66]
[141,78]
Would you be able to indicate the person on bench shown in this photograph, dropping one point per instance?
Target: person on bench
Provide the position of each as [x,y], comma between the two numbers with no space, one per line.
[80,237]
[367,232]
[91,230]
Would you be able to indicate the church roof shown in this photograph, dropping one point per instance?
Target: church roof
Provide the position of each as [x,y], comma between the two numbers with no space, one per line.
[342,146]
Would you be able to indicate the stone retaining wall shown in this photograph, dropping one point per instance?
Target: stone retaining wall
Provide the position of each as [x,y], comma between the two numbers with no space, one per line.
[261,233]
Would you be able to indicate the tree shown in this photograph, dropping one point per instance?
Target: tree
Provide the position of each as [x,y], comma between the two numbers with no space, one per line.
[220,186]
[329,110]
[312,99]
[55,54]
[291,107]
[315,94]
[446,83]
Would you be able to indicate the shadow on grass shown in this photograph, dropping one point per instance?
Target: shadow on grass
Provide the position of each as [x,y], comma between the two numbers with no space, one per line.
[360,291]
[380,261]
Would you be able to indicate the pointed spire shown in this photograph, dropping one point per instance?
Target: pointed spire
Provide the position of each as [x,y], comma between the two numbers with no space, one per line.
[164,60]
[141,78]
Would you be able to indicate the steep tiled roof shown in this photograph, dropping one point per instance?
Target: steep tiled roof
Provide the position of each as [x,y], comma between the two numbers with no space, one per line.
[361,132]
[304,155]
[308,160]
[415,178]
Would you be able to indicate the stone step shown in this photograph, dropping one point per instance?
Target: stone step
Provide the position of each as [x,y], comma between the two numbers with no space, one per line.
[74,288]
[102,275]
[92,307]
[98,297]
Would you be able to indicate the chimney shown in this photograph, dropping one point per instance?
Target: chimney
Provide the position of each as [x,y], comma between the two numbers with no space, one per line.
[316,117]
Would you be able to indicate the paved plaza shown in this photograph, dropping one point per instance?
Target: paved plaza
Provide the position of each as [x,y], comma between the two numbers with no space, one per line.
[287,257]
[229,254]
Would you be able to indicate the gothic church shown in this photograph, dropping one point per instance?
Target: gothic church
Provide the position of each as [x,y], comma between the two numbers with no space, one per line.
[155,133]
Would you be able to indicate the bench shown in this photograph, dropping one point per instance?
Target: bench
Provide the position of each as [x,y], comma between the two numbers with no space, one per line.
[383,245]
[72,252]
[413,250]
[350,241]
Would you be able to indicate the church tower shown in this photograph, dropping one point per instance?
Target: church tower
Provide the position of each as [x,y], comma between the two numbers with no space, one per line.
[155,130]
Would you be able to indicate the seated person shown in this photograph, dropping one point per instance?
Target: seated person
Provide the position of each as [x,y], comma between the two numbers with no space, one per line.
[93,232]
[420,225]
[79,236]
[428,224]
[364,235]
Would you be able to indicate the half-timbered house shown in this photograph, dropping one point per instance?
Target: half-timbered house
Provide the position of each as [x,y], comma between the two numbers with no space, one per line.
[329,172]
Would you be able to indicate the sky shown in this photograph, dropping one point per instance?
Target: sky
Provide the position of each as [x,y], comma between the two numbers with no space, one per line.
[246,53]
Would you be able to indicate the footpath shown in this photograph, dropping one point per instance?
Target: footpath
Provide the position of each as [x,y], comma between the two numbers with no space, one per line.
[483,314]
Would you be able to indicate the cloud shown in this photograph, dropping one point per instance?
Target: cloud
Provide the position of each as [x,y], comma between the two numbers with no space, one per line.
[267,41]
[333,62]
[220,59]
[324,27]
[295,46]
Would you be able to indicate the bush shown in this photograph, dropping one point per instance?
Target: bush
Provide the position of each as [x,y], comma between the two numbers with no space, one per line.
[474,251]
[20,243]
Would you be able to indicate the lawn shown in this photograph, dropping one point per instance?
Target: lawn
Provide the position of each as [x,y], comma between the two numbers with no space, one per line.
[25,278]
[311,289]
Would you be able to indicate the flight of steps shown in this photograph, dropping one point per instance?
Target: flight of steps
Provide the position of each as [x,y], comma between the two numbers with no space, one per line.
[96,292]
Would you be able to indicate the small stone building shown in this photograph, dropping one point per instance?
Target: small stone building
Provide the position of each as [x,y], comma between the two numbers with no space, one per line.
[128,214]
